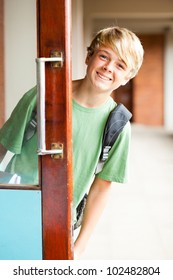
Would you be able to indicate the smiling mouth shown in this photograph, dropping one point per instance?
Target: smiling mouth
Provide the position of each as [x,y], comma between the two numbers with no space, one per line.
[105,78]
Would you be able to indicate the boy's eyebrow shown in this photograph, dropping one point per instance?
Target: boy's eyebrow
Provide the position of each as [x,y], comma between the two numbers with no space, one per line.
[100,50]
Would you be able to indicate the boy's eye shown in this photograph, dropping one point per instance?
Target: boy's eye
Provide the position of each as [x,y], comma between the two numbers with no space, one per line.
[103,56]
[121,66]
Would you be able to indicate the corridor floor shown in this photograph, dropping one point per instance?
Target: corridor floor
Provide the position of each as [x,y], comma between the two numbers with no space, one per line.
[138,220]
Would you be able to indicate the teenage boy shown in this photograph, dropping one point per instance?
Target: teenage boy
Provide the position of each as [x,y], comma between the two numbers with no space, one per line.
[114,57]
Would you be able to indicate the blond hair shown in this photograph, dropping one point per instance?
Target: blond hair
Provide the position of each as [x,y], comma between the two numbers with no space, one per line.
[124,42]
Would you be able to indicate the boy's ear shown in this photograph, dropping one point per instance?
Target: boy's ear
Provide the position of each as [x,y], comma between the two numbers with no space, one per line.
[87,59]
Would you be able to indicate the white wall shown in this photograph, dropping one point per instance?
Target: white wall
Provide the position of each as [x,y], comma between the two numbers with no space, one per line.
[78,49]
[20,50]
[168,81]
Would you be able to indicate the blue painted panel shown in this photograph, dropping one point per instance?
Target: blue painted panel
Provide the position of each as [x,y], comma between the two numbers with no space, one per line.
[20,225]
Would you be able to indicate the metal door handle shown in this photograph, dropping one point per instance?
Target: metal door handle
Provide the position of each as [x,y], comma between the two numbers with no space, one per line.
[41,105]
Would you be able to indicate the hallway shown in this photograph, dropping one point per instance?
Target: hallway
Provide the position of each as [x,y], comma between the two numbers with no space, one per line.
[138,220]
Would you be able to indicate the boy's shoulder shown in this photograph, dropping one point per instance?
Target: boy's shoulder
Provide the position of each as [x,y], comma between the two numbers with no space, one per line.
[12,132]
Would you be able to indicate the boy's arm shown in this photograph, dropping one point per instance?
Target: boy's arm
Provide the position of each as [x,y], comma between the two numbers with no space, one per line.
[96,202]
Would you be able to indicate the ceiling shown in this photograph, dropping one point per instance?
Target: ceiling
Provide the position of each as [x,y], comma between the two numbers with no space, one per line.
[138,25]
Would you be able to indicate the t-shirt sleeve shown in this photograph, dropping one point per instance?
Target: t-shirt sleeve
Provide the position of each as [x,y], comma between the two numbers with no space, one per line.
[116,166]
[12,132]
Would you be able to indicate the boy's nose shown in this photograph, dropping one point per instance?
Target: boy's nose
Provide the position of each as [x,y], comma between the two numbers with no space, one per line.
[108,67]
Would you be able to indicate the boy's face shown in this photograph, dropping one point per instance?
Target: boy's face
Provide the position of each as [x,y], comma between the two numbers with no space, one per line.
[105,70]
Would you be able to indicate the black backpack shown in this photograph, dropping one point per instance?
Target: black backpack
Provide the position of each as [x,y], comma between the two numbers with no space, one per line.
[117,119]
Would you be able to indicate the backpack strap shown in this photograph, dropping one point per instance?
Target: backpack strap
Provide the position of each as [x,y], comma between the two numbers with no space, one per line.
[116,121]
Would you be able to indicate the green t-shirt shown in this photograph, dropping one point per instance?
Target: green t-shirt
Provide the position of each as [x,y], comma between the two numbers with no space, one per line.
[88,127]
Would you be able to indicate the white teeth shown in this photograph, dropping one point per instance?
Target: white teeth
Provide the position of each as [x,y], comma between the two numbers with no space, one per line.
[103,77]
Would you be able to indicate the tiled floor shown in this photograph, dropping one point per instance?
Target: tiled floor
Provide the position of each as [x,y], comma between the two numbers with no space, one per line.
[138,220]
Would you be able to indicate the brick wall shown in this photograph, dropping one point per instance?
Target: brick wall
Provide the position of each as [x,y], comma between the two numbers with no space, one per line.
[148,84]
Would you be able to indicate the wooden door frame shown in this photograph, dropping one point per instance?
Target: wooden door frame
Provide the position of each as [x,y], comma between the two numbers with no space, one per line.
[54,34]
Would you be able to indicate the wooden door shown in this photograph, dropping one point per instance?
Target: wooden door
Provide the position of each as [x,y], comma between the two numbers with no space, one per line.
[54,36]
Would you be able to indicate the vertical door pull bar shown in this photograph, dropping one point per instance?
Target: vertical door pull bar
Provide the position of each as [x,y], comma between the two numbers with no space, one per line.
[41,105]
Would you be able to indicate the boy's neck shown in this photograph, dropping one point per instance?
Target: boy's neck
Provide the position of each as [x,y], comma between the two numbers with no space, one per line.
[86,97]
